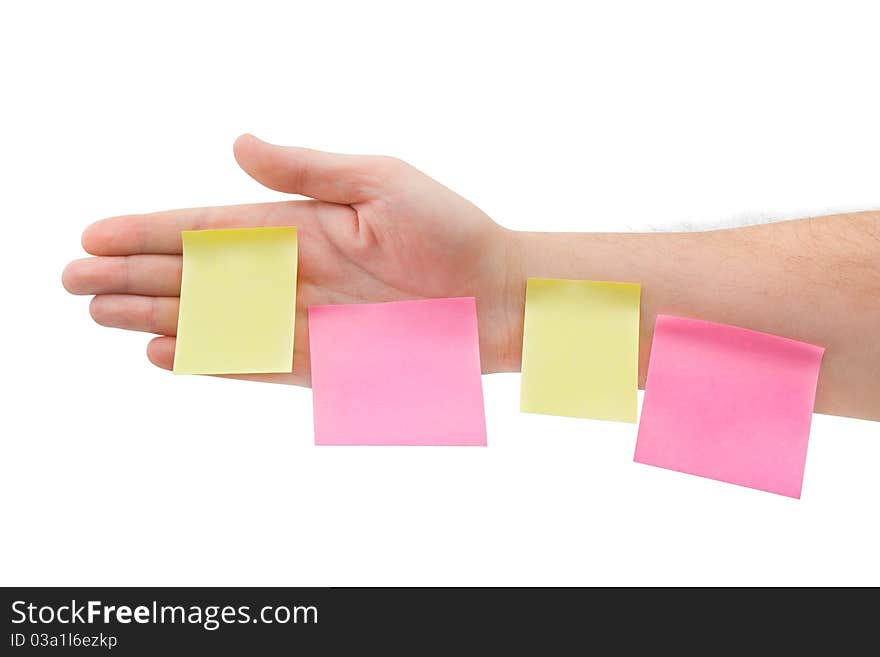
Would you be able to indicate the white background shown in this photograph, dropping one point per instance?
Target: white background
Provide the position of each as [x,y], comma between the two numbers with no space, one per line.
[549,116]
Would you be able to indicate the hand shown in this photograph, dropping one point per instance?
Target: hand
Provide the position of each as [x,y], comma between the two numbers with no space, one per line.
[379,230]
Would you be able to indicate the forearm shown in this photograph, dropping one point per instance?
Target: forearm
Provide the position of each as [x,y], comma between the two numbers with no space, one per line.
[815,280]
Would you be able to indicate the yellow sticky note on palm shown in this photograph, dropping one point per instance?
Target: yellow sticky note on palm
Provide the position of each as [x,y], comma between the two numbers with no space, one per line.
[581,349]
[237,301]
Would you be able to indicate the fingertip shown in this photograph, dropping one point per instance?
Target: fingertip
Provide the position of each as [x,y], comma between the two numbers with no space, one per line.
[95,307]
[88,238]
[73,276]
[99,237]
[259,160]
[160,352]
[104,311]
[242,139]
[67,277]
[242,144]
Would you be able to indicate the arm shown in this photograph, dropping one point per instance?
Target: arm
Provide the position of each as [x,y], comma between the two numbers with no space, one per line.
[815,280]
[380,230]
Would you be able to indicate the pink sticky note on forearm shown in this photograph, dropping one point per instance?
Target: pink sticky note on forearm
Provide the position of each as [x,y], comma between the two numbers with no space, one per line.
[398,373]
[729,404]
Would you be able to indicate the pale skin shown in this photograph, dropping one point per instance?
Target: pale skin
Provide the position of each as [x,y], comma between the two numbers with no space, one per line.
[380,230]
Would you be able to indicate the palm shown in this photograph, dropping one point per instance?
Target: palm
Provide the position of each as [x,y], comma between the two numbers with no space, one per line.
[390,233]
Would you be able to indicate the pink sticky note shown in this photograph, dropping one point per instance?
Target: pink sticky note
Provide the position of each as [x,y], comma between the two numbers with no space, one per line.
[399,373]
[729,404]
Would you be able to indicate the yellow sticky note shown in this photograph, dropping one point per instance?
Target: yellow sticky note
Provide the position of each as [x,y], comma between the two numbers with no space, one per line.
[237,301]
[581,349]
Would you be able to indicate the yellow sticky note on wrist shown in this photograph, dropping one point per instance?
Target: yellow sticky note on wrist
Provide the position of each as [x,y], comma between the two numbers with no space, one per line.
[237,301]
[581,349]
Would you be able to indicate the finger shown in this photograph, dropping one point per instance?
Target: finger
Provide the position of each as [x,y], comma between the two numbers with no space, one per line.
[325,176]
[151,275]
[160,352]
[135,313]
[159,232]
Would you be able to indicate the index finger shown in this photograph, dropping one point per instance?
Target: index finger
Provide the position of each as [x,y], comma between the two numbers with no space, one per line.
[159,232]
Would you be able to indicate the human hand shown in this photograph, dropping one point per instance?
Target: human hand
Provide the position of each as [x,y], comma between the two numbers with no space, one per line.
[378,230]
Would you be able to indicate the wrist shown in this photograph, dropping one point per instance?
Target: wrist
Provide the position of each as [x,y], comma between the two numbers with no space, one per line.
[545,255]
[528,255]
[511,307]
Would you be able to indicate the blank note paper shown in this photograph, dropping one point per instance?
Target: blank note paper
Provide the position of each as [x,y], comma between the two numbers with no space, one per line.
[399,373]
[237,301]
[729,404]
[580,349]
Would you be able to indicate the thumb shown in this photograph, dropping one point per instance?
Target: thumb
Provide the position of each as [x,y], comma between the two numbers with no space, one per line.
[319,175]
